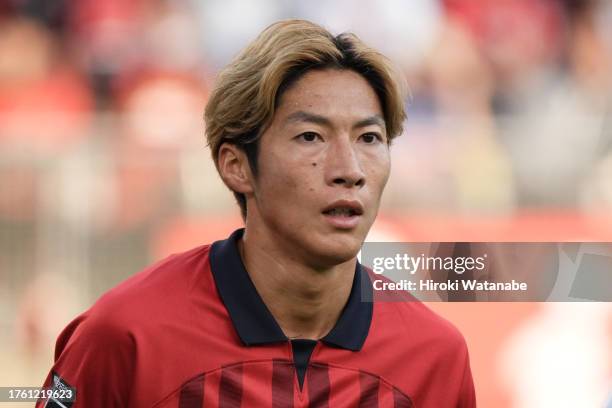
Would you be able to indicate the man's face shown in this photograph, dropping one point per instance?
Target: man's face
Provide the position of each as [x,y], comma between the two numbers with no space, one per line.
[323,164]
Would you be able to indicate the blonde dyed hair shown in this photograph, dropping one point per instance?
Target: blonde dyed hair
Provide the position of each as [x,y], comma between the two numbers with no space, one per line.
[247,91]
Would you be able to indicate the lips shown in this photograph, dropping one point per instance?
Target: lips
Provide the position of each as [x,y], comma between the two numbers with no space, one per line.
[344,208]
[343,214]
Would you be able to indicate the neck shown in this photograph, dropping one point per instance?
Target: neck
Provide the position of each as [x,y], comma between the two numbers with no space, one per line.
[305,302]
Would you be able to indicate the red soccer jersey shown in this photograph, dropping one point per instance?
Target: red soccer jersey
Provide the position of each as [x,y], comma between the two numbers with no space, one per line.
[192,331]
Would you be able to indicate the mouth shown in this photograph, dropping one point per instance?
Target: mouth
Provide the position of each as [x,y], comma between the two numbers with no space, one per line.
[344,214]
[341,212]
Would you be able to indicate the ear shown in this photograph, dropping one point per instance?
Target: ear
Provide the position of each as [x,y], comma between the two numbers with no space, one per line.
[234,169]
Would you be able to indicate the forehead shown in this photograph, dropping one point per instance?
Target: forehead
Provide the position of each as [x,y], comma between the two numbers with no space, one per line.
[331,92]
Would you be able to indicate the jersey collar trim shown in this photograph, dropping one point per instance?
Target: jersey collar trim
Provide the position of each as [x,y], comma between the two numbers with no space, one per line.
[252,319]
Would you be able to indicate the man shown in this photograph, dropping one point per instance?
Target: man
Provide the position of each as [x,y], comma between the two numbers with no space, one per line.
[299,125]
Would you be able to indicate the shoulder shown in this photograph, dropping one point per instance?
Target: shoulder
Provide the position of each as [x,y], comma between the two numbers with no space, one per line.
[414,333]
[419,351]
[177,270]
[418,317]
[407,317]
[414,318]
[159,292]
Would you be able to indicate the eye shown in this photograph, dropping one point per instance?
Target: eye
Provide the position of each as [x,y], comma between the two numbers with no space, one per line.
[371,138]
[308,137]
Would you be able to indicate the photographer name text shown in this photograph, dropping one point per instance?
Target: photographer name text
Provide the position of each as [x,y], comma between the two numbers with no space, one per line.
[427,285]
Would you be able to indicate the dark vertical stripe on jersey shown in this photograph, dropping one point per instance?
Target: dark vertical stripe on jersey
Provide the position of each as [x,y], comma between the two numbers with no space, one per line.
[230,388]
[282,384]
[192,393]
[400,400]
[318,386]
[368,397]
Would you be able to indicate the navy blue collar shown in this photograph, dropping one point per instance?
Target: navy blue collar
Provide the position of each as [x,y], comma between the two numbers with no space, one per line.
[252,319]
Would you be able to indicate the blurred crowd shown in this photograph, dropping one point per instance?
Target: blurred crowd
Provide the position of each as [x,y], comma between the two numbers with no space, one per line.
[102,152]
[101,102]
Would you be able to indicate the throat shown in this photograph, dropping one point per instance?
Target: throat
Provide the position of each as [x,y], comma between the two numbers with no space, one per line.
[305,303]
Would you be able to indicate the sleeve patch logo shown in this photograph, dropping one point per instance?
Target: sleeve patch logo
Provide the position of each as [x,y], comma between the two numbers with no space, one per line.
[60,385]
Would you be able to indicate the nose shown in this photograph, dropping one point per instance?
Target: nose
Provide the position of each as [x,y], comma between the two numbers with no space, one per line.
[343,164]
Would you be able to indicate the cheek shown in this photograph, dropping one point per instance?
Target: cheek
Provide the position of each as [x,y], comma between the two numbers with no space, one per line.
[287,180]
[379,169]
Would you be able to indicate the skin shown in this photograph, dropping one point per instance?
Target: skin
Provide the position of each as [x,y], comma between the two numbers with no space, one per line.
[326,142]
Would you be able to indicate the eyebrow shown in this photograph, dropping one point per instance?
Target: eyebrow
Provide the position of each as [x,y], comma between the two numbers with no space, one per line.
[302,116]
[372,120]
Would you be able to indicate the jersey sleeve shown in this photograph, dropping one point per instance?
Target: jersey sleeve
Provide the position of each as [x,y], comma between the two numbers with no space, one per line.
[467,393]
[95,356]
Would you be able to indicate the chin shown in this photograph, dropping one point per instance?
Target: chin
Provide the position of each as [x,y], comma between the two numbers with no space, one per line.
[331,250]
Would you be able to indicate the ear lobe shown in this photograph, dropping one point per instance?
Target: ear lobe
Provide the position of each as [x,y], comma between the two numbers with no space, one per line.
[234,169]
